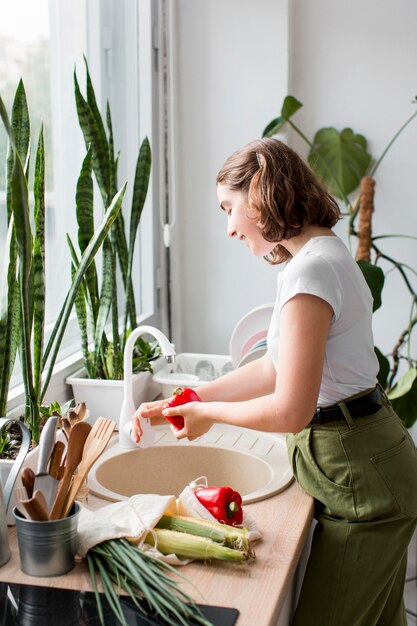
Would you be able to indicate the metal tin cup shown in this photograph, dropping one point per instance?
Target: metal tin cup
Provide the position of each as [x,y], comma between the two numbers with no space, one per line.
[47,548]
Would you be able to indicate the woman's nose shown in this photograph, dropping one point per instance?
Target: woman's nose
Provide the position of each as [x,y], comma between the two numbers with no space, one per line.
[231,230]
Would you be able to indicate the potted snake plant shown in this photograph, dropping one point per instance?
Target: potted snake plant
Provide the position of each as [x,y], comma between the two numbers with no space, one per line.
[100,382]
[341,159]
[22,278]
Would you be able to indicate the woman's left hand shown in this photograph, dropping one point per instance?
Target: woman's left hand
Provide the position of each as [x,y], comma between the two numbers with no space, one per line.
[196,421]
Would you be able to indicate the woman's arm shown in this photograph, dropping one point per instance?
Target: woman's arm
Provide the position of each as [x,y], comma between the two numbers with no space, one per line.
[250,381]
[304,326]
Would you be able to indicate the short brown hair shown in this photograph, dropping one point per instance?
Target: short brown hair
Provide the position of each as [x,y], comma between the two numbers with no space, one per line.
[282,189]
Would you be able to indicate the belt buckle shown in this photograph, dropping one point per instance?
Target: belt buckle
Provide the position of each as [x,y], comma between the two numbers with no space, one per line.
[319,414]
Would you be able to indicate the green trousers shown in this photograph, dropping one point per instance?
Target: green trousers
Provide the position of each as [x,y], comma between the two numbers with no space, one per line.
[362,473]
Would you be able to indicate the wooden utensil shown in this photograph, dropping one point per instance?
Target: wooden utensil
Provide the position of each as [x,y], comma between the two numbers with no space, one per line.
[76,441]
[36,507]
[56,457]
[94,446]
[28,480]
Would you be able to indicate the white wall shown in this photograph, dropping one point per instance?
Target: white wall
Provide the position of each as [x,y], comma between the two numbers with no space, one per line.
[231,72]
[351,64]
[354,64]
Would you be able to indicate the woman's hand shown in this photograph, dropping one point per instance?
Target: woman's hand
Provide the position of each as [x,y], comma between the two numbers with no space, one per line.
[147,410]
[196,420]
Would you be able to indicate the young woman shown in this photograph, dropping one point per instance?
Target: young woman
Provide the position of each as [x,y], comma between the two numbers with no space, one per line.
[318,383]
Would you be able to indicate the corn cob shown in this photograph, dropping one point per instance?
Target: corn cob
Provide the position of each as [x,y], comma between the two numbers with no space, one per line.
[192,547]
[230,536]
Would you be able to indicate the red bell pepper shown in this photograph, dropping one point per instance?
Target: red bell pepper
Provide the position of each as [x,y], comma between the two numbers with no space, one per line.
[223,503]
[180,396]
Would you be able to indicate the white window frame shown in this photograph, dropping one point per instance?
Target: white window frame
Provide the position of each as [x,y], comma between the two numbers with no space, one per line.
[135,115]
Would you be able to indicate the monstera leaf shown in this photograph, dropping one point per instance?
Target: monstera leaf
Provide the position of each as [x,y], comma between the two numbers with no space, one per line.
[384,368]
[403,397]
[340,159]
[289,107]
[375,278]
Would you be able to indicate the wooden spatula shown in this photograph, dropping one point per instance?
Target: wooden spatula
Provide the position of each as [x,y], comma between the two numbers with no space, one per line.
[94,446]
[76,441]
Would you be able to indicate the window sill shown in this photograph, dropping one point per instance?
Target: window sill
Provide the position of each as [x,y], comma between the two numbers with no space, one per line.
[58,390]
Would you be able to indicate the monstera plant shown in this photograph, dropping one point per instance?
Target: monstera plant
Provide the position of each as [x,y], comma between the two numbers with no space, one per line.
[22,278]
[341,159]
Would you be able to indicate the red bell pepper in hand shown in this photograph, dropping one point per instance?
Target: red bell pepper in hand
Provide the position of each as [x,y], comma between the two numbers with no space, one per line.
[180,396]
[223,503]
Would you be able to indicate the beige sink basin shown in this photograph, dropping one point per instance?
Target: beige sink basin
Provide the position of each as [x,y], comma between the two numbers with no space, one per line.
[253,463]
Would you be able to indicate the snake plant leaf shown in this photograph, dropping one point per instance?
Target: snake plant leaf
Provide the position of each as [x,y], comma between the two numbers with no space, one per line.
[112,160]
[9,317]
[403,397]
[118,346]
[140,190]
[123,255]
[340,159]
[21,124]
[290,106]
[101,145]
[75,263]
[106,296]
[375,278]
[23,233]
[87,257]
[81,312]
[84,200]
[39,263]
[92,136]
[384,368]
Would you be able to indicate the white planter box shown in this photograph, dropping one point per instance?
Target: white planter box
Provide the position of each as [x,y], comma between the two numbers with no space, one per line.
[104,397]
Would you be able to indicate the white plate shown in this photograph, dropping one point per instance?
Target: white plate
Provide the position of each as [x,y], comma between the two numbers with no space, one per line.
[252,355]
[252,328]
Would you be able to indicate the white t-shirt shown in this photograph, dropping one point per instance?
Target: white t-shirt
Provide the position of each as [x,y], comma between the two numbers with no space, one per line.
[325,268]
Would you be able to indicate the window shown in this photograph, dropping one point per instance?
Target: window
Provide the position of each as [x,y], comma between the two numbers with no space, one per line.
[43,42]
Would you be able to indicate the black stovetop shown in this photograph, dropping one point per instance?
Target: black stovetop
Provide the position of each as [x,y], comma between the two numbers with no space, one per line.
[27,605]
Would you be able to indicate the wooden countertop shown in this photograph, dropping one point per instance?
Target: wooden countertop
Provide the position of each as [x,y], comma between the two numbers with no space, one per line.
[258,590]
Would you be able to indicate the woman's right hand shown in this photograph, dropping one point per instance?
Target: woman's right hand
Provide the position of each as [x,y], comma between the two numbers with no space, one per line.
[147,410]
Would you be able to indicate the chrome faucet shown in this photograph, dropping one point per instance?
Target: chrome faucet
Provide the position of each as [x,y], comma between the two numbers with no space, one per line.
[128,406]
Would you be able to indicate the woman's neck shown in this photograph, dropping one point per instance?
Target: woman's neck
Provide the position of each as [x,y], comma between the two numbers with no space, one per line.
[295,244]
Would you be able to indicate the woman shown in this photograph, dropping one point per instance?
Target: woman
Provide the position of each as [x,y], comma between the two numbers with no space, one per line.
[317,382]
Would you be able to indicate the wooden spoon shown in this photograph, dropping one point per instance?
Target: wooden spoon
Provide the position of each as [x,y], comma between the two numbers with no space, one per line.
[76,441]
[56,458]
[36,507]
[28,480]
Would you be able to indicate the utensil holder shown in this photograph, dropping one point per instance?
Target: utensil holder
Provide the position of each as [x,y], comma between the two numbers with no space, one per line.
[47,548]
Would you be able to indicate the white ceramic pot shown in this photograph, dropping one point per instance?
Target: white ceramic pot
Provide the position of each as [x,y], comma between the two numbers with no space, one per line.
[104,398]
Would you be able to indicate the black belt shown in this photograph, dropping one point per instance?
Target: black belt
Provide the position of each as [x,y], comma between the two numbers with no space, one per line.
[365,405]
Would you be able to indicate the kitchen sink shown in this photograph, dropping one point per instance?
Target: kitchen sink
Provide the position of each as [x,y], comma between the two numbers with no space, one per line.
[253,463]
